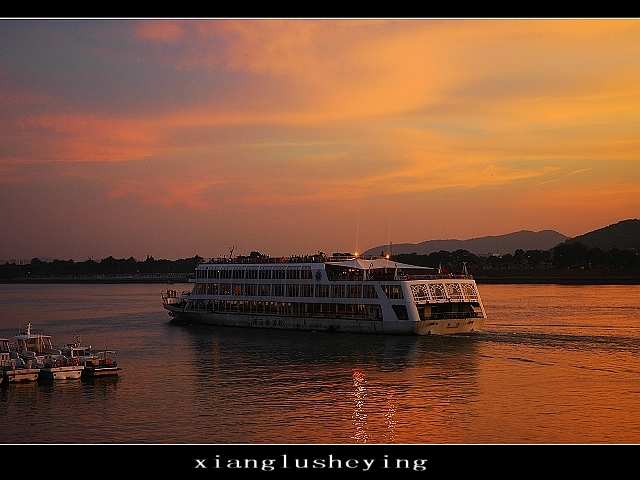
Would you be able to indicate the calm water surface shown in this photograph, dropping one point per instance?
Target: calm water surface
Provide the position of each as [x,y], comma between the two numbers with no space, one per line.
[556,364]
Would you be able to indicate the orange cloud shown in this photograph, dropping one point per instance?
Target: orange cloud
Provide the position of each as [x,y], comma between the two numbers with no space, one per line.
[84,137]
[169,193]
[162,31]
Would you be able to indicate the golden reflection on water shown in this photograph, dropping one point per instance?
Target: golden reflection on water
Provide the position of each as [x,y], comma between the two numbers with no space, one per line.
[390,435]
[364,433]
[359,416]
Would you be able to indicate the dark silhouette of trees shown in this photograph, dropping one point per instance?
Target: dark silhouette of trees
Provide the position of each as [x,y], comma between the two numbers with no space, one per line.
[578,255]
[563,256]
[107,266]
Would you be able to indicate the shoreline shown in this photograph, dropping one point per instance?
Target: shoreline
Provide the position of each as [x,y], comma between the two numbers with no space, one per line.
[557,281]
[604,276]
[94,280]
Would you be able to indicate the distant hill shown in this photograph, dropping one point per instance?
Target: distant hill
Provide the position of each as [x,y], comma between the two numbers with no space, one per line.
[502,244]
[624,235]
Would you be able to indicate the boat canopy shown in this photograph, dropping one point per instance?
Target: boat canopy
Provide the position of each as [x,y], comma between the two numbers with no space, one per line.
[378,264]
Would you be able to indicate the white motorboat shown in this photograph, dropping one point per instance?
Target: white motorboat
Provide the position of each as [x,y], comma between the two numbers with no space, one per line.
[96,364]
[34,347]
[58,367]
[14,369]
[38,349]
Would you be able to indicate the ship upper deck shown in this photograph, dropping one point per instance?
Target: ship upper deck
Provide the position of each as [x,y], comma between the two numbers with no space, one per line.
[337,268]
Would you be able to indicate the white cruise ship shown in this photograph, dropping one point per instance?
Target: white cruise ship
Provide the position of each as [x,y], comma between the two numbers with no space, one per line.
[319,293]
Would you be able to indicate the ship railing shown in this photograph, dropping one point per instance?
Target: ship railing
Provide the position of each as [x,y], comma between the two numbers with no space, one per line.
[438,276]
[291,259]
[450,315]
[346,278]
[391,277]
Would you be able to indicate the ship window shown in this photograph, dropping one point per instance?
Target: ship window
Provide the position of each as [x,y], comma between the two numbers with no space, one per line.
[322,291]
[392,291]
[354,291]
[370,292]
[265,273]
[278,290]
[278,273]
[225,273]
[293,289]
[250,289]
[238,273]
[293,273]
[337,291]
[252,274]
[306,290]
[264,289]
[225,288]
[401,312]
[305,273]
[238,288]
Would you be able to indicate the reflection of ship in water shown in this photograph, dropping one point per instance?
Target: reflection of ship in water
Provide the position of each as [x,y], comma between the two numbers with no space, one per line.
[299,348]
[354,388]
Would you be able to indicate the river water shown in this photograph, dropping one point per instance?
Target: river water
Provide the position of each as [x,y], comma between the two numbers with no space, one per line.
[556,364]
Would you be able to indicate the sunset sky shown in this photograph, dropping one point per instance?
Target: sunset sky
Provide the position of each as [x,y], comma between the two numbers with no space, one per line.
[175,138]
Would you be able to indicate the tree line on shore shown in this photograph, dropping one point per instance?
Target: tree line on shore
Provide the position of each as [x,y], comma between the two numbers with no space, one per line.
[562,256]
[571,255]
[107,266]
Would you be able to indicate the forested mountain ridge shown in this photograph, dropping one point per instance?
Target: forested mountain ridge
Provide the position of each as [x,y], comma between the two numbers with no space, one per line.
[496,244]
[624,235]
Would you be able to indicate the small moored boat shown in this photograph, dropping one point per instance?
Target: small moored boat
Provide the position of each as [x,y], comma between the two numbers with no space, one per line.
[38,349]
[95,364]
[59,367]
[101,365]
[34,347]
[12,368]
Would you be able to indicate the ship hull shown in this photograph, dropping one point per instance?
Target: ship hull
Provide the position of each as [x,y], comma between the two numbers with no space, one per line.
[346,325]
[20,375]
[100,371]
[61,373]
